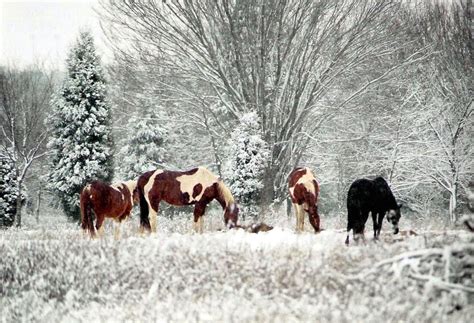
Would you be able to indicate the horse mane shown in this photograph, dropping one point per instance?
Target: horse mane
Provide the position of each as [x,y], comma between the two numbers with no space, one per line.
[225,193]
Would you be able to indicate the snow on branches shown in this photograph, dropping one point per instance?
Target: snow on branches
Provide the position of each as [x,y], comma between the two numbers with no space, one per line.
[8,192]
[81,140]
[144,147]
[247,157]
[444,271]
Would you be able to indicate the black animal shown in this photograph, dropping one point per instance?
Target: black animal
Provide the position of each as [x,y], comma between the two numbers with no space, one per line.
[372,196]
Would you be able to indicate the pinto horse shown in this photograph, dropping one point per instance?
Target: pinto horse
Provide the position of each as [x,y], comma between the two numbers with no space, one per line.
[304,191]
[106,201]
[197,186]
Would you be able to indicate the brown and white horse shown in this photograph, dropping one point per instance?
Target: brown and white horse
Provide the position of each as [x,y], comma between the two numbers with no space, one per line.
[197,186]
[107,201]
[304,191]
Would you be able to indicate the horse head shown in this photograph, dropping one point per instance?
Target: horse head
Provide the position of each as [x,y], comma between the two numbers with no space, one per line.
[231,215]
[393,217]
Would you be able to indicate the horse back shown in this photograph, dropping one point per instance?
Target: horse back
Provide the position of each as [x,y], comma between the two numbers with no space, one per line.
[295,175]
[178,187]
[370,195]
[303,186]
[110,201]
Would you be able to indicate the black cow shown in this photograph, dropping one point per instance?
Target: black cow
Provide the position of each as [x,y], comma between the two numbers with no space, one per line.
[372,196]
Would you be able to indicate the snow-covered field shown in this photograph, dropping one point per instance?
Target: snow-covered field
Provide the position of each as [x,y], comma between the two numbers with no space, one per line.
[52,273]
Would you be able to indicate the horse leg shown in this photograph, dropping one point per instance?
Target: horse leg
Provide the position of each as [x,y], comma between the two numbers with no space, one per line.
[99,225]
[201,224]
[295,207]
[351,219]
[375,225]
[152,216]
[379,224]
[359,226]
[299,214]
[199,210]
[117,225]
[302,215]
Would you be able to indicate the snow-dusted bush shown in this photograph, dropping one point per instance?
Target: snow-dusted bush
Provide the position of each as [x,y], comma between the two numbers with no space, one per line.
[247,157]
[8,192]
[80,125]
[144,147]
[233,276]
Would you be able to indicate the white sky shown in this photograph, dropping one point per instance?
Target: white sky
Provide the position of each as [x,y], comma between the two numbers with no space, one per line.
[43,31]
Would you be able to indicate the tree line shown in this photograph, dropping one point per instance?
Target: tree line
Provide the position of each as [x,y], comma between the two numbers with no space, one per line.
[253,89]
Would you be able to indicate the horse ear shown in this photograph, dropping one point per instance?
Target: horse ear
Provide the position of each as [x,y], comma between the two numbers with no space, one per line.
[400,205]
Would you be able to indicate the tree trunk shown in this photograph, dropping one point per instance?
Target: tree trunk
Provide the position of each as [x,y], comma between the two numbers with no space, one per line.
[453,204]
[38,204]
[289,207]
[341,194]
[18,207]
[267,192]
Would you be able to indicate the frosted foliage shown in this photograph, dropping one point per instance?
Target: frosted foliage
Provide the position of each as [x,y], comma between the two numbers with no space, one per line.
[81,134]
[233,276]
[143,149]
[8,192]
[247,157]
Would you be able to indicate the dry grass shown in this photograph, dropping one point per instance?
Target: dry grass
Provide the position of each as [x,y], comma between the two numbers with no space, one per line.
[52,273]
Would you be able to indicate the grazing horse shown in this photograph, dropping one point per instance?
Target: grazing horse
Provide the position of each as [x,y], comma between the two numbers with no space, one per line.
[304,191]
[107,201]
[197,186]
[370,196]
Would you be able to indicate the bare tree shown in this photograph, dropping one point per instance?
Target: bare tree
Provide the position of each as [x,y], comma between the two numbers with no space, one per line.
[281,59]
[412,127]
[24,103]
[446,98]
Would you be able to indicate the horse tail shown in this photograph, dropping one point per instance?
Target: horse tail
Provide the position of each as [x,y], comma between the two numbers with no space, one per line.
[144,210]
[86,211]
[351,218]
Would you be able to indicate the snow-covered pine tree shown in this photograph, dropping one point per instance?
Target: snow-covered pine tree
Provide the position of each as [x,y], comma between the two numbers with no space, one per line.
[8,192]
[144,148]
[81,141]
[247,156]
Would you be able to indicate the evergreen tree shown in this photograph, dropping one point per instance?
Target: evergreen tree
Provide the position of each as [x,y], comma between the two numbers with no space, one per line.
[8,192]
[144,148]
[80,124]
[246,160]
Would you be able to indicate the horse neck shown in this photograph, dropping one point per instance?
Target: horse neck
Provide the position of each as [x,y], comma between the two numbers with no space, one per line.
[224,196]
[392,201]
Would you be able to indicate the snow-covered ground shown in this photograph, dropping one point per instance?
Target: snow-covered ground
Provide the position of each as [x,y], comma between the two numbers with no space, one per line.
[52,273]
